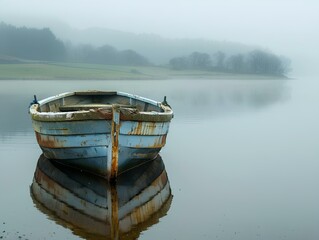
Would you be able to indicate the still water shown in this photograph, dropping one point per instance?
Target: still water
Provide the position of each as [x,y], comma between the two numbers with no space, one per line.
[241,162]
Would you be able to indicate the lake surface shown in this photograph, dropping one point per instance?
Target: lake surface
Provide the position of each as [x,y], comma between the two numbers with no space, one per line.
[241,158]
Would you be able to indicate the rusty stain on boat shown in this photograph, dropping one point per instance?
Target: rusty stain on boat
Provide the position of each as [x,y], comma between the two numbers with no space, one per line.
[115,132]
[143,128]
[48,141]
[161,141]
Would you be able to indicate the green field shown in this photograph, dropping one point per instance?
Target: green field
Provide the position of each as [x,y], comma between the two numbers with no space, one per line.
[52,71]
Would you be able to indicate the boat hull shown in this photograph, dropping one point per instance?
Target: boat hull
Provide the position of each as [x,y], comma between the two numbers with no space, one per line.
[86,145]
[103,141]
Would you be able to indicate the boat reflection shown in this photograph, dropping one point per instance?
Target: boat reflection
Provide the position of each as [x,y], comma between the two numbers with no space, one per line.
[94,209]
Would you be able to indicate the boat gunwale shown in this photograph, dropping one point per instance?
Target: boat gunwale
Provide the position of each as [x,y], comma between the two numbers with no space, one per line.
[100,113]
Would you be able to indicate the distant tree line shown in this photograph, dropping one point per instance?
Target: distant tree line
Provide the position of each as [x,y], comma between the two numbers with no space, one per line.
[254,62]
[30,43]
[42,45]
[104,55]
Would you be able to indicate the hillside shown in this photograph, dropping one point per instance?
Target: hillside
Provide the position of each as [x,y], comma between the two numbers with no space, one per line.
[181,56]
[157,49]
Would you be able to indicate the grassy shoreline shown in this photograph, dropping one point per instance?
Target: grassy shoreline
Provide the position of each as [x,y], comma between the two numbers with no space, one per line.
[80,71]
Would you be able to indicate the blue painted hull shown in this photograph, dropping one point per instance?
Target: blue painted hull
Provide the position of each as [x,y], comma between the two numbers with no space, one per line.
[92,142]
[94,159]
[85,145]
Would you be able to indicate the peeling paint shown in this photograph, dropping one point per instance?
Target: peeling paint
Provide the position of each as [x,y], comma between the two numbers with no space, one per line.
[141,130]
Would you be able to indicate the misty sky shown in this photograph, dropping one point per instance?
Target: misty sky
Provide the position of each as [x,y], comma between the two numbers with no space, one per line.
[284,26]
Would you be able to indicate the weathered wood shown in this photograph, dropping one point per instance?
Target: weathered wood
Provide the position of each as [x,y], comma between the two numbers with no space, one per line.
[96,93]
[80,107]
[103,133]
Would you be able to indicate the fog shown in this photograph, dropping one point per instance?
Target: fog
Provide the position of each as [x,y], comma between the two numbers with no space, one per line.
[241,154]
[285,27]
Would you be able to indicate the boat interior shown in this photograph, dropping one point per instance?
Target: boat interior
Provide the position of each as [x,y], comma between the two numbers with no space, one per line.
[79,101]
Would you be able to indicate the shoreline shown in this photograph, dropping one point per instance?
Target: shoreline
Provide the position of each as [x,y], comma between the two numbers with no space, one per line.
[87,72]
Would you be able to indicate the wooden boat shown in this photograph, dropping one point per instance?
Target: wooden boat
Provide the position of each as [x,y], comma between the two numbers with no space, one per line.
[95,209]
[102,132]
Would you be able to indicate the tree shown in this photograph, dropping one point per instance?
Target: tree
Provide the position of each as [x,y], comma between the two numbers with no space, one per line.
[30,43]
[236,63]
[199,60]
[195,60]
[261,62]
[130,57]
[105,55]
[179,63]
[220,58]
